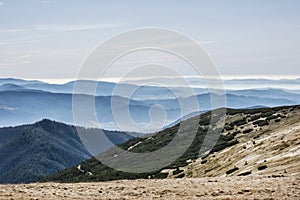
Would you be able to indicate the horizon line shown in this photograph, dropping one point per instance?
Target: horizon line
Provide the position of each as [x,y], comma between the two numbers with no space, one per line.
[117,79]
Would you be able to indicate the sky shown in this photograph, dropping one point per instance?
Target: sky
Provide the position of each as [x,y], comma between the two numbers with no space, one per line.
[50,39]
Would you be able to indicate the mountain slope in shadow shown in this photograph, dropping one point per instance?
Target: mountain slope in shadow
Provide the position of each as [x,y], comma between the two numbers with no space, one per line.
[31,152]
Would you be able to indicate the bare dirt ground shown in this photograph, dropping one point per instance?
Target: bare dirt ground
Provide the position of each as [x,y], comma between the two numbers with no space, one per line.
[251,187]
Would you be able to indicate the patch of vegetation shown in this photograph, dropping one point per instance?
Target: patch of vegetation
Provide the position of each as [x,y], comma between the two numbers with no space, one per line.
[282,145]
[248,131]
[205,121]
[222,145]
[229,137]
[271,117]
[256,137]
[239,122]
[228,127]
[180,176]
[261,123]
[253,118]
[232,170]
[277,120]
[236,132]
[203,162]
[245,173]
[262,167]
[177,171]
[267,114]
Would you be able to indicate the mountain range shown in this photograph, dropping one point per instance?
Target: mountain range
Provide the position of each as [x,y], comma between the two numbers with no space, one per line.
[23,101]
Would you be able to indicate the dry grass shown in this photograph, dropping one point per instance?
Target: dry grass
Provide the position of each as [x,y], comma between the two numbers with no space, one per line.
[251,187]
[276,146]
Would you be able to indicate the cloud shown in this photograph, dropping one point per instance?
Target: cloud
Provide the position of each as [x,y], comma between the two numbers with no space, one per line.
[12,30]
[8,108]
[14,63]
[23,56]
[64,28]
[17,42]
[84,27]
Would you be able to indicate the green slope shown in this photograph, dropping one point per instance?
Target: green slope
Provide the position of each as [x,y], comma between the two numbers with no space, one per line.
[230,133]
[30,152]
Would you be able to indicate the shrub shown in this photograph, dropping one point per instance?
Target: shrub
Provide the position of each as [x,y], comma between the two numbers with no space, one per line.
[228,128]
[180,175]
[253,118]
[205,121]
[203,162]
[271,117]
[228,137]
[261,123]
[267,114]
[248,131]
[245,173]
[239,122]
[255,137]
[232,170]
[177,171]
[236,132]
[223,145]
[262,167]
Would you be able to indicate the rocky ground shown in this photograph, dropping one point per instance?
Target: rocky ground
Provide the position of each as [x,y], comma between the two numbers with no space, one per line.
[251,187]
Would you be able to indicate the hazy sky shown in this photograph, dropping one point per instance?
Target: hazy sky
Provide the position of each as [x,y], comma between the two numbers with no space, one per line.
[49,39]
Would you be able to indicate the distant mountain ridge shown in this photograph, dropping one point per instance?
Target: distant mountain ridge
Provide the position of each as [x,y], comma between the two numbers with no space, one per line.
[10,86]
[148,92]
[23,101]
[30,106]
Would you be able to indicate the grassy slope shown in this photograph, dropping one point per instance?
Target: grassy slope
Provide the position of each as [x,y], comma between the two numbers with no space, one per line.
[236,130]
[271,149]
